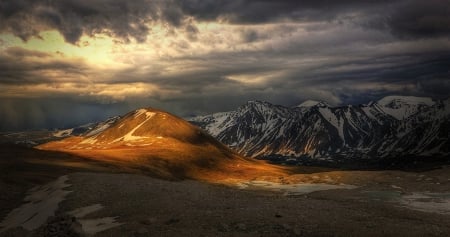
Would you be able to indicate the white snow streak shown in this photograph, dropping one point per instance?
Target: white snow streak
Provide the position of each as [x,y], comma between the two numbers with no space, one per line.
[333,120]
[129,136]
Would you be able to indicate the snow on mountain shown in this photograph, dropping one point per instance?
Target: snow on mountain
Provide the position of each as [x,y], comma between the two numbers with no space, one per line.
[401,107]
[89,129]
[311,103]
[63,133]
[101,126]
[393,126]
[405,100]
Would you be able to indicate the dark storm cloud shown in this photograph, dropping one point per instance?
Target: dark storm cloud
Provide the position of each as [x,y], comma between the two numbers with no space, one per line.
[128,19]
[349,51]
[407,74]
[403,18]
[19,66]
[72,18]
[420,19]
[262,11]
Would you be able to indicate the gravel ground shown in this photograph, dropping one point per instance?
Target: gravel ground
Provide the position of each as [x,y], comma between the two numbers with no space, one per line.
[136,205]
[103,200]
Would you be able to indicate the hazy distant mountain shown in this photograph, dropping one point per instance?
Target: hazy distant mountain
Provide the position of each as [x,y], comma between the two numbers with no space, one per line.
[89,129]
[395,126]
[33,138]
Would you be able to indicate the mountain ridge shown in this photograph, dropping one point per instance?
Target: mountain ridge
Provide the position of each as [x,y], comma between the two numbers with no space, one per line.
[393,126]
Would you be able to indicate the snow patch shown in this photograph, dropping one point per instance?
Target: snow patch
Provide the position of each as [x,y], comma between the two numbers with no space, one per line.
[139,112]
[83,211]
[63,133]
[42,202]
[368,112]
[129,136]
[410,100]
[93,226]
[312,103]
[333,120]
[98,129]
[308,103]
[89,140]
[292,189]
[402,107]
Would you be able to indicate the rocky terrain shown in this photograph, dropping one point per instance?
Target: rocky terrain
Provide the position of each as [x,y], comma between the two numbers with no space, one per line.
[380,203]
[150,173]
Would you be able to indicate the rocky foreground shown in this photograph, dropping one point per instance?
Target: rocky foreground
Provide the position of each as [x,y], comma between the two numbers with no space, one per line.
[380,203]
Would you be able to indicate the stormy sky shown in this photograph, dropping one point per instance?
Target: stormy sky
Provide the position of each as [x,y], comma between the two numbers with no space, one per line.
[68,62]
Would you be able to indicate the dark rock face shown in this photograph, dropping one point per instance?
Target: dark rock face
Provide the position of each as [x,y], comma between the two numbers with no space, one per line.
[392,127]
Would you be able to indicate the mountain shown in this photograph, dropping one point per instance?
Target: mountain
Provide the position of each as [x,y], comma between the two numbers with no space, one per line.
[33,138]
[312,103]
[163,145]
[89,129]
[315,132]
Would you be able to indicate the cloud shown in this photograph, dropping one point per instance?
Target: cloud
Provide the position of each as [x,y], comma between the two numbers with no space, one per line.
[263,11]
[19,66]
[196,57]
[133,20]
[420,19]
[125,20]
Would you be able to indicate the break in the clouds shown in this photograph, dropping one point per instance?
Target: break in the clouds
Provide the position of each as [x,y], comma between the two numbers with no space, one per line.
[68,62]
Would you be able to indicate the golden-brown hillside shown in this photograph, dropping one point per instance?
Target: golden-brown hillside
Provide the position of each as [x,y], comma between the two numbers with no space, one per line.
[161,144]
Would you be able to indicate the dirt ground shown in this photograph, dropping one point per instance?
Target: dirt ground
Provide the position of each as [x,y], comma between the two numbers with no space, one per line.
[109,201]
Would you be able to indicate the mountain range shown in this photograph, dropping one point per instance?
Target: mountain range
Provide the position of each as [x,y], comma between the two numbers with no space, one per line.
[391,130]
[316,133]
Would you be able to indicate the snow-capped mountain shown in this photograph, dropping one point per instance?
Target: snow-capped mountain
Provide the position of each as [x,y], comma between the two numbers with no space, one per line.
[391,127]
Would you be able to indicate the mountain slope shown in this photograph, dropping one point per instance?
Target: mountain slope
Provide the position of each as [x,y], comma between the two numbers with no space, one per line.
[163,145]
[394,126]
[34,138]
[89,129]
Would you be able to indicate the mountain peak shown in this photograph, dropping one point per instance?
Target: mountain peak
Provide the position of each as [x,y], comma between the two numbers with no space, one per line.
[312,103]
[143,127]
[402,107]
[257,102]
[147,111]
[395,101]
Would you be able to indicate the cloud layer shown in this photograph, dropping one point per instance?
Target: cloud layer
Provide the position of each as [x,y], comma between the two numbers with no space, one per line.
[67,62]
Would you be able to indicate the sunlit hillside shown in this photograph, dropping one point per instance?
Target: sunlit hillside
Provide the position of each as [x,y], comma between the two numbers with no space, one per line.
[164,145]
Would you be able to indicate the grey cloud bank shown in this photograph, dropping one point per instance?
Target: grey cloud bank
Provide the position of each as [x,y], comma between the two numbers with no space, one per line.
[283,52]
